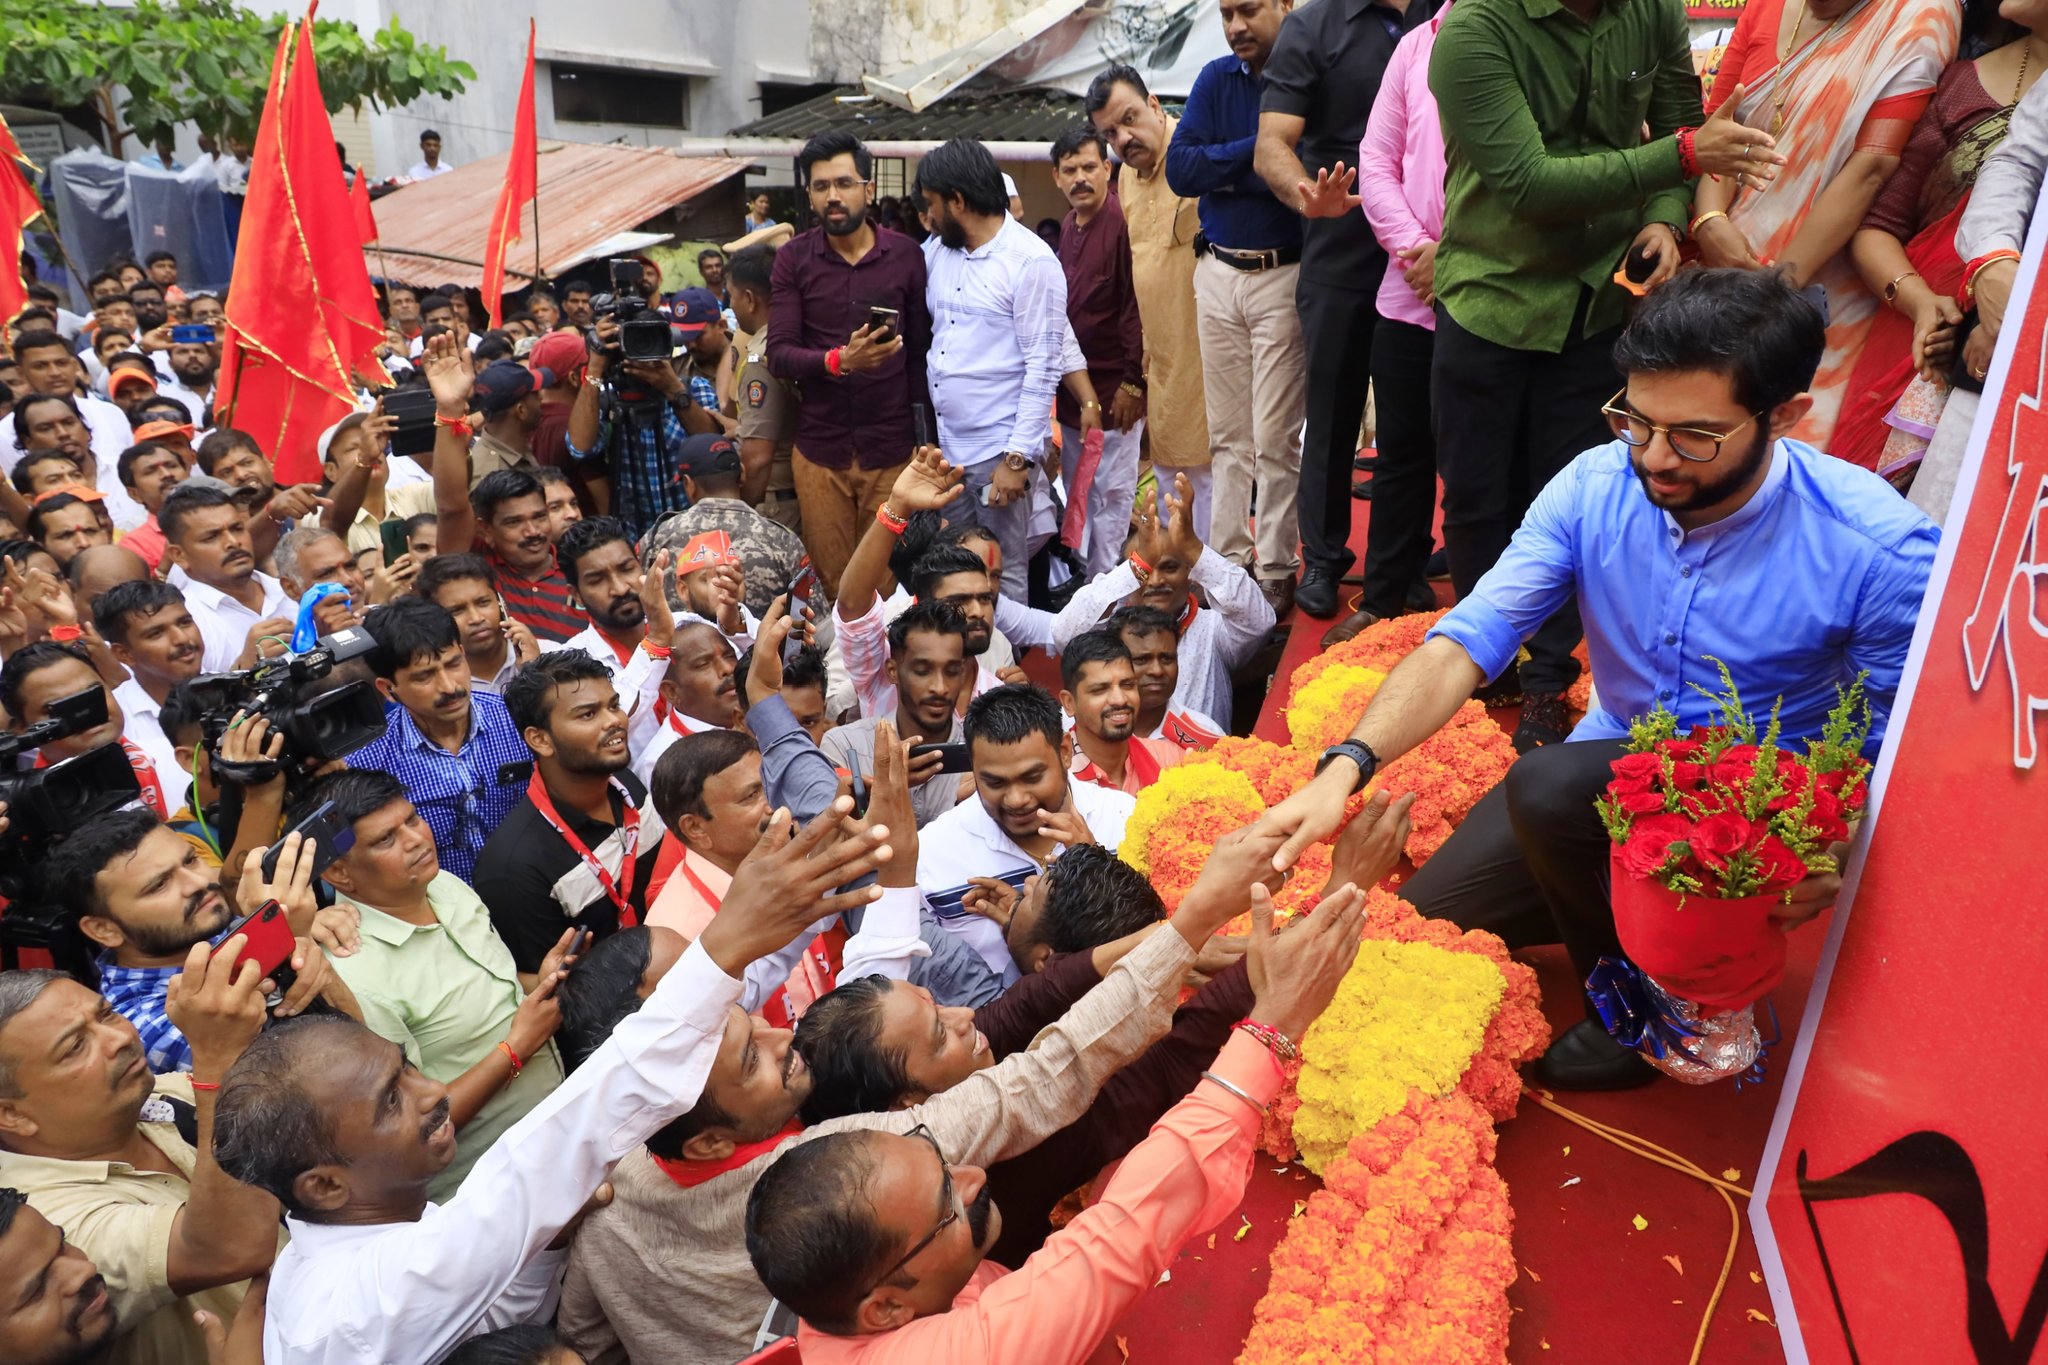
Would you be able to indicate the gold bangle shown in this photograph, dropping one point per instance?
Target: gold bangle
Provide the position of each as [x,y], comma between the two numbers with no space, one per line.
[1693,228]
[1091,403]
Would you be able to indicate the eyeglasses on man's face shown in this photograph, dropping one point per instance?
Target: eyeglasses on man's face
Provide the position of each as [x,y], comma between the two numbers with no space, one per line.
[1696,444]
[845,184]
[951,1215]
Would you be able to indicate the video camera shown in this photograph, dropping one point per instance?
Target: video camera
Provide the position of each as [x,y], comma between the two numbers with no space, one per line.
[643,334]
[43,803]
[319,722]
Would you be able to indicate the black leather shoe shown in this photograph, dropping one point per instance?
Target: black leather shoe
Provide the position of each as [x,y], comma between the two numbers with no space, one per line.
[1317,594]
[1584,1057]
[1362,490]
[1545,720]
[1364,463]
[1438,569]
[1421,597]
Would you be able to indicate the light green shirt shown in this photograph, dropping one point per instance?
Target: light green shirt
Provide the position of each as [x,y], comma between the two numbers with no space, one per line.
[446,993]
[1549,177]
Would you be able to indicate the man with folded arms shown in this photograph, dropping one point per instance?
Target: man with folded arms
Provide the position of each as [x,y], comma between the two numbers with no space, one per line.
[333,1122]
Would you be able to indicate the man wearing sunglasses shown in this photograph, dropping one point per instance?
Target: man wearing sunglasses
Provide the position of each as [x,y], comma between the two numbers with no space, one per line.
[1701,534]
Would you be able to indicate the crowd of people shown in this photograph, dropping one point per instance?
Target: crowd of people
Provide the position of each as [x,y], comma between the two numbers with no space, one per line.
[721,934]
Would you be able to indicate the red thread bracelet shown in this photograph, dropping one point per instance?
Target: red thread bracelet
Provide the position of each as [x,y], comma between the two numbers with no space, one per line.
[832,360]
[1688,158]
[1277,1042]
[198,1084]
[460,424]
[513,1057]
[1144,569]
[889,519]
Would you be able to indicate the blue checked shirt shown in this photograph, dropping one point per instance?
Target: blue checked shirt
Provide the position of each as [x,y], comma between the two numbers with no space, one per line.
[459,794]
[137,995]
[642,455]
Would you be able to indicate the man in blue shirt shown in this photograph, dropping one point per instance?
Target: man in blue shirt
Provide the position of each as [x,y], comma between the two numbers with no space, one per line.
[1700,531]
[457,751]
[1249,257]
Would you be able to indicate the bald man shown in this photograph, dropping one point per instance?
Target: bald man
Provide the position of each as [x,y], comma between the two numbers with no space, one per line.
[99,567]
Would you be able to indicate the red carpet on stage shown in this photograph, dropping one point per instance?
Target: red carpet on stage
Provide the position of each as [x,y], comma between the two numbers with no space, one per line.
[1594,1287]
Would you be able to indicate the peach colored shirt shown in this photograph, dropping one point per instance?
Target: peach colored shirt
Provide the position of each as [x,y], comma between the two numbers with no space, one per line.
[684,907]
[1059,1308]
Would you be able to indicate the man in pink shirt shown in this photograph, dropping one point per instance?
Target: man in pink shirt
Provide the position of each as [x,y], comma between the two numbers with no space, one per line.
[1401,191]
[878,1243]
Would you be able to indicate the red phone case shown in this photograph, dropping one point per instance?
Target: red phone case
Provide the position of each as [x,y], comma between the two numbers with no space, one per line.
[270,938]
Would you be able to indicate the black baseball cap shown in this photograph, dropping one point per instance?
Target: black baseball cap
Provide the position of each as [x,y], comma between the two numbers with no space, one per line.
[702,455]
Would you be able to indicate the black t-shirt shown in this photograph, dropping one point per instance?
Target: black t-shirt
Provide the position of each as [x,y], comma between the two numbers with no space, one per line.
[1325,69]
[536,886]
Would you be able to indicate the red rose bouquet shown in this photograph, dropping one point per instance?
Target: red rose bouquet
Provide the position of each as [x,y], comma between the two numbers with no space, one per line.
[1711,831]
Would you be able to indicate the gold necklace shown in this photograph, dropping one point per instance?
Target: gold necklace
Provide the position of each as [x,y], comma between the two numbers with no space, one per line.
[2019,86]
[1784,76]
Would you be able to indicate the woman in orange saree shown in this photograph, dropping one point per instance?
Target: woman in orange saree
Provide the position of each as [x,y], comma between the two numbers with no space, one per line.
[1840,84]
[1906,252]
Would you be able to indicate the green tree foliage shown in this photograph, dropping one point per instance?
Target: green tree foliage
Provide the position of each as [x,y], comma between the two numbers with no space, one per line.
[146,68]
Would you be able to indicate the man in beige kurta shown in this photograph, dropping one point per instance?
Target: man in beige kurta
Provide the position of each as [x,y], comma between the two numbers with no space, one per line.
[1162,228]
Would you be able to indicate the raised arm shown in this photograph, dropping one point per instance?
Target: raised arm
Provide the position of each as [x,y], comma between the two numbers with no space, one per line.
[448,374]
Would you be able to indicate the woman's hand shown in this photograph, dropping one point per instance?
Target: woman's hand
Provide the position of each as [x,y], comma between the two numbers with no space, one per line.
[1722,245]
[1935,324]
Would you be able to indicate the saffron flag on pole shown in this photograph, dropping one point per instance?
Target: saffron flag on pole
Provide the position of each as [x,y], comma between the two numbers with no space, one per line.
[521,185]
[18,208]
[359,205]
[287,369]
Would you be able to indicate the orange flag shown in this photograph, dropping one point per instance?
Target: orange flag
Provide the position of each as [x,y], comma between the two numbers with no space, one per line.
[359,205]
[521,185]
[18,208]
[301,315]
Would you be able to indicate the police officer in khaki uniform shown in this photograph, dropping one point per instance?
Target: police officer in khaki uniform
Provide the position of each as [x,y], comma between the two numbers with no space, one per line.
[766,405]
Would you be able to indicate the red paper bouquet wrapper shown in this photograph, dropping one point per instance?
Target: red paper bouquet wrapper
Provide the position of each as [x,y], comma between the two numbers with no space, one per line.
[1722,954]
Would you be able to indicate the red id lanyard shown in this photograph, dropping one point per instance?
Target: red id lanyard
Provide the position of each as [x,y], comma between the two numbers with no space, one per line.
[629,831]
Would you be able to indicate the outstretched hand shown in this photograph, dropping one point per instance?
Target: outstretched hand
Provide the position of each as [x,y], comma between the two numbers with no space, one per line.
[785,884]
[1331,194]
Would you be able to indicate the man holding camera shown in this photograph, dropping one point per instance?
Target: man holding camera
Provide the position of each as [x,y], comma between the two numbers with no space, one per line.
[634,411]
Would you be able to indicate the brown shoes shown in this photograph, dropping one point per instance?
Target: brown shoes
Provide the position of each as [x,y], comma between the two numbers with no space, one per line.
[1349,627]
[1279,594]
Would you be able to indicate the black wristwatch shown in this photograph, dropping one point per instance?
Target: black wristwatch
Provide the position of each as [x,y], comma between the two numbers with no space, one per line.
[1359,752]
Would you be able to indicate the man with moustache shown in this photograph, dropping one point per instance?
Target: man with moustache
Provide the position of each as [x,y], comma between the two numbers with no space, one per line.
[149,472]
[596,556]
[48,365]
[207,544]
[1687,540]
[454,747]
[145,897]
[1153,638]
[151,633]
[1162,565]
[432,975]
[61,421]
[854,429]
[330,1120]
[1102,308]
[63,1314]
[578,849]
[193,367]
[94,1141]
[1099,690]
[699,691]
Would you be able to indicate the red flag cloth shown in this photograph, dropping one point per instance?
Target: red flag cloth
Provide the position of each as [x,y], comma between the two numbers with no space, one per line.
[359,205]
[286,367]
[18,208]
[521,185]
[1077,496]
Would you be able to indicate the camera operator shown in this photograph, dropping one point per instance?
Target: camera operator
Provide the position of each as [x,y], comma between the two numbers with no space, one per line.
[635,414]
[48,671]
[228,832]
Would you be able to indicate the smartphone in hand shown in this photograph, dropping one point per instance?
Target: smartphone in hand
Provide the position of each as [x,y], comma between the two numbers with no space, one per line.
[268,942]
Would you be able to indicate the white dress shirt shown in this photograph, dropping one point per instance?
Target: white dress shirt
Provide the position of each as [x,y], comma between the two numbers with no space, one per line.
[223,622]
[413,1292]
[1222,635]
[999,328]
[422,171]
[967,842]
[140,721]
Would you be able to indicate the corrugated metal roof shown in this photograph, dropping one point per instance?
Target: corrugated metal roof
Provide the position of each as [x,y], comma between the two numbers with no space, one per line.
[992,116]
[587,195]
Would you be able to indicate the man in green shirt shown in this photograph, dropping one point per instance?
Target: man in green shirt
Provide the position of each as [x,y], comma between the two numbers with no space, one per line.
[432,975]
[1550,185]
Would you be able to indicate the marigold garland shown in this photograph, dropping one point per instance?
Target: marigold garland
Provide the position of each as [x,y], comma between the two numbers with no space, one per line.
[1405,1255]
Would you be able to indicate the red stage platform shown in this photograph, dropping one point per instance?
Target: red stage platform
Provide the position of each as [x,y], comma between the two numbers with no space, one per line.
[1594,1287]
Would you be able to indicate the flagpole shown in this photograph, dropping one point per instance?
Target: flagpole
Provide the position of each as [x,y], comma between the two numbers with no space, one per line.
[539,274]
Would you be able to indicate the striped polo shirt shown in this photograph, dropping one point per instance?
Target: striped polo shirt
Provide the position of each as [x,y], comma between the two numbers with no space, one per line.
[546,605]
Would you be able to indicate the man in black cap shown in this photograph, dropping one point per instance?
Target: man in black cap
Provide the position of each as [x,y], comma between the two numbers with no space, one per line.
[699,323]
[510,402]
[771,554]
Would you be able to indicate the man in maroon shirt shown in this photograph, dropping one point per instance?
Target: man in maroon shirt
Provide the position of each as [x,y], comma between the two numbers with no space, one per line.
[1102,307]
[854,431]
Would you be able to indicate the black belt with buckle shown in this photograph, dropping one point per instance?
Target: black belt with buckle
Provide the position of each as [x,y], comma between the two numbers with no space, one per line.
[1271,259]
